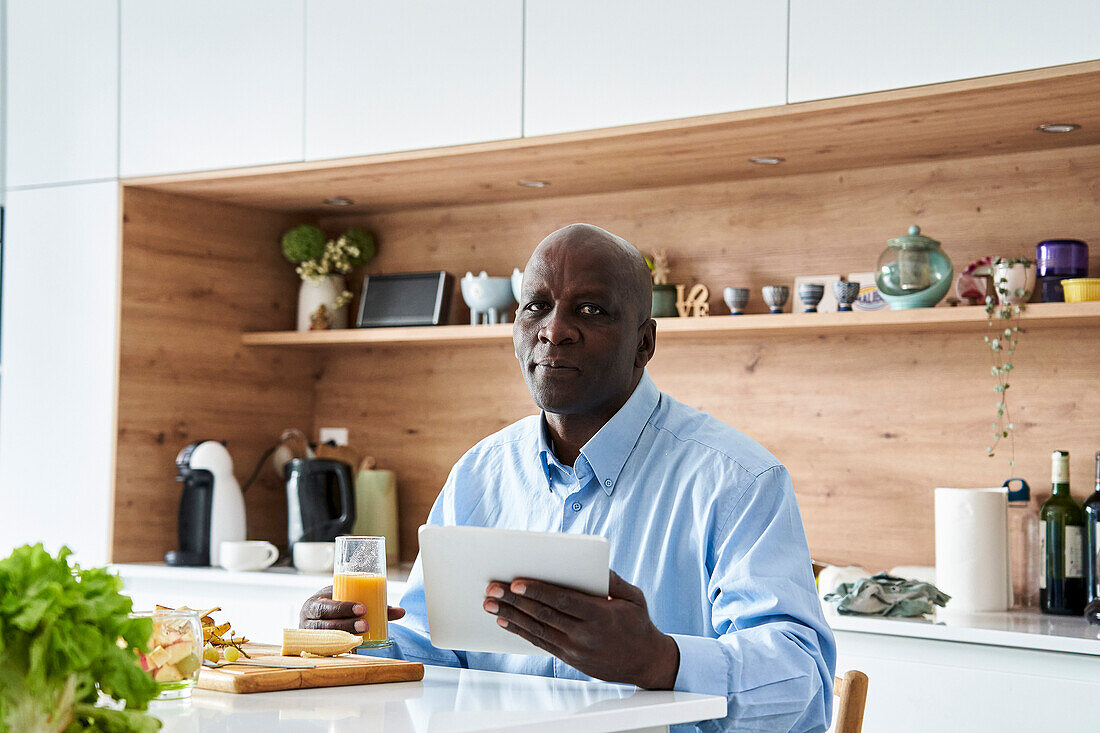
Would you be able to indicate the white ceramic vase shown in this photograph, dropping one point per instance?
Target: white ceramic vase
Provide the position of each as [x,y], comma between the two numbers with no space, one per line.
[1017,277]
[314,295]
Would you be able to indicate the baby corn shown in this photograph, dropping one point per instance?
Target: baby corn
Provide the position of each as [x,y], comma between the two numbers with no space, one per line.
[319,642]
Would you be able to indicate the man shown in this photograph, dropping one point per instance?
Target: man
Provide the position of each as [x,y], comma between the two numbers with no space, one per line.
[711,589]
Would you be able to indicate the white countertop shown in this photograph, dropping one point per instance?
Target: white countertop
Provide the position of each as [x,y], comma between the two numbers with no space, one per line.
[1019,629]
[286,577]
[447,701]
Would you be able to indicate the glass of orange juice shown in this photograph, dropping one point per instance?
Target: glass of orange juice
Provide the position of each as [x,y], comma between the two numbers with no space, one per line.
[359,574]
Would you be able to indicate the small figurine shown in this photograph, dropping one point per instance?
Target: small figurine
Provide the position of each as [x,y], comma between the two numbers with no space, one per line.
[489,298]
[695,304]
[660,268]
[320,319]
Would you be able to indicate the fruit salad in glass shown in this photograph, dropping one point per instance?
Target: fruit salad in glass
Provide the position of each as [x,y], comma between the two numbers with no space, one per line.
[175,652]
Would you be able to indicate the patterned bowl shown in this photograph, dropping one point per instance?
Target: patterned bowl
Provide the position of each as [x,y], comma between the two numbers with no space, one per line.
[811,294]
[846,294]
[776,297]
[735,298]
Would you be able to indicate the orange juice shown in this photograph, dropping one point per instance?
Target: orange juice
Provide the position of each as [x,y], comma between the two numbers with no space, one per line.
[370,590]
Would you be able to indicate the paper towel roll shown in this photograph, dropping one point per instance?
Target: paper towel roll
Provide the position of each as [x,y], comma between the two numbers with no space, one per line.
[972,549]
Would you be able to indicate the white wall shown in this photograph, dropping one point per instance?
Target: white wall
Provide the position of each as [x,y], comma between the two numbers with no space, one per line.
[62,116]
[59,345]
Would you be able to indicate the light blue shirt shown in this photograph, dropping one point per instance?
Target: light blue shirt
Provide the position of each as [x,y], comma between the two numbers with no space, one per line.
[699,516]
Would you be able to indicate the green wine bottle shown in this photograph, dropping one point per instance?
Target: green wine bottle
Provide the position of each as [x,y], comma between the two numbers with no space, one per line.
[1092,540]
[1061,546]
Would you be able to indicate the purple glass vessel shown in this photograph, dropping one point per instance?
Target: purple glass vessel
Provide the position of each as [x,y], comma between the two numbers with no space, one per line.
[1056,260]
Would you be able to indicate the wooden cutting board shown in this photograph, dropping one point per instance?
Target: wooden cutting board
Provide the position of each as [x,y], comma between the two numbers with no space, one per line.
[346,669]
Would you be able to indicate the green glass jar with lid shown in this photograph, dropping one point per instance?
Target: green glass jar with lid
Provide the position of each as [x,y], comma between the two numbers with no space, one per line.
[913,271]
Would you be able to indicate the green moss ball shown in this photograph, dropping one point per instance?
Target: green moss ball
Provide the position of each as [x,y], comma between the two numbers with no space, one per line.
[367,244]
[303,242]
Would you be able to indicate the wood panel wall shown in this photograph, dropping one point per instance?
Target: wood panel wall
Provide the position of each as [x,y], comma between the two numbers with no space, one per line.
[195,275]
[868,424]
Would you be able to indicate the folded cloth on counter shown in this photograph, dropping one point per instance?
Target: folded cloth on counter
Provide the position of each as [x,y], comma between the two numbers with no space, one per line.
[886,595]
[831,576]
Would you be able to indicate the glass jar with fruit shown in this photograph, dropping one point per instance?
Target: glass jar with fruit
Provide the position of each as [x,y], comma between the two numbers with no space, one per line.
[174,654]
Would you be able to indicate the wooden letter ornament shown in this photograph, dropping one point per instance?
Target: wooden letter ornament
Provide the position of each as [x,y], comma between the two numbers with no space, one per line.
[695,304]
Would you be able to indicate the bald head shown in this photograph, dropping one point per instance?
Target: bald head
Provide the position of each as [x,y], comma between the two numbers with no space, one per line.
[620,260]
[583,333]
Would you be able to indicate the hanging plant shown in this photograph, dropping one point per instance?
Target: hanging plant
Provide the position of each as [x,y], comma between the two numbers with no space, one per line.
[1008,304]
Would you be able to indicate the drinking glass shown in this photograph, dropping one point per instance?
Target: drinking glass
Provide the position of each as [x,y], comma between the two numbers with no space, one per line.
[175,651]
[359,575]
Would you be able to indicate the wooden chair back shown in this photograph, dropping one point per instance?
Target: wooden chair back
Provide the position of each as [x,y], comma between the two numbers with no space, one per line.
[851,693]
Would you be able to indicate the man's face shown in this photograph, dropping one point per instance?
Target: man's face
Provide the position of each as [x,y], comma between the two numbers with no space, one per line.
[576,334]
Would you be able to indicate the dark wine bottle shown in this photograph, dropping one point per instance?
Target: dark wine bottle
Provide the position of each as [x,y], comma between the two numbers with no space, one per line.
[1061,545]
[1092,536]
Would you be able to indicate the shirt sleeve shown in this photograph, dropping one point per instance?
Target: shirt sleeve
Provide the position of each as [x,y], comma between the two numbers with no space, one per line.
[774,655]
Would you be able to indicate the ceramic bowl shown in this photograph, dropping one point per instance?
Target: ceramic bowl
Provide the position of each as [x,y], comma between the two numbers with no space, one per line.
[776,297]
[845,294]
[1080,289]
[736,299]
[811,294]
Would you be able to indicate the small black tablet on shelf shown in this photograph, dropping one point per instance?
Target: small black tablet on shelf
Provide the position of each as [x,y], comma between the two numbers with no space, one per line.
[405,299]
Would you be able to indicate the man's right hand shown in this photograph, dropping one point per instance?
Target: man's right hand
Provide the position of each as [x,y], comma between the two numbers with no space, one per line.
[321,612]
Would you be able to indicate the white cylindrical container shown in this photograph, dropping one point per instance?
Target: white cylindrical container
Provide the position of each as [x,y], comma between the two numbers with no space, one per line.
[972,549]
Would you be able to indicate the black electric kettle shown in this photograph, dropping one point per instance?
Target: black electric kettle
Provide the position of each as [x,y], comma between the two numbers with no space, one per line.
[320,500]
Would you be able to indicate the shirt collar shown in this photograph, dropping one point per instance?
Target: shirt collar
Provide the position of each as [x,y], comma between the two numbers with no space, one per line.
[606,451]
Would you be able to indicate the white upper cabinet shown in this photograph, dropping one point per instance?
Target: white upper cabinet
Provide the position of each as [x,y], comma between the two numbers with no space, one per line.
[842,47]
[385,75]
[616,62]
[60,349]
[210,84]
[62,88]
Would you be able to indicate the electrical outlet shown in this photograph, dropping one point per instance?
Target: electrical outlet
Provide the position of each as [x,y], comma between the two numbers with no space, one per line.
[336,435]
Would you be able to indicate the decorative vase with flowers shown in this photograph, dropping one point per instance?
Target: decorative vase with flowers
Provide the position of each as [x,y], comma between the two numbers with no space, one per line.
[323,263]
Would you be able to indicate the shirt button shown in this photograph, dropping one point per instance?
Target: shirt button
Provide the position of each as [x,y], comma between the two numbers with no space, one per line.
[576,506]
[608,483]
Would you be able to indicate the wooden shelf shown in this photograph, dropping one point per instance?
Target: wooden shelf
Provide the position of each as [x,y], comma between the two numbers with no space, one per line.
[943,319]
[975,117]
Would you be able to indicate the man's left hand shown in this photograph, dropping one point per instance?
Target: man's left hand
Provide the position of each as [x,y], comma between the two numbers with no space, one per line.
[611,638]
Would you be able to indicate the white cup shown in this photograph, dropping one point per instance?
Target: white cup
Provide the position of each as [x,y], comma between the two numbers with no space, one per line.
[247,555]
[314,557]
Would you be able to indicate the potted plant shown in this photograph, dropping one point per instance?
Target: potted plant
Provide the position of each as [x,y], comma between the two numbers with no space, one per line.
[322,264]
[1013,281]
[664,294]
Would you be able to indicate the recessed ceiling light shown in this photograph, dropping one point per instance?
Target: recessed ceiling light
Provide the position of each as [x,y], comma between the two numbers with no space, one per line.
[1058,127]
[533,184]
[339,201]
[767,160]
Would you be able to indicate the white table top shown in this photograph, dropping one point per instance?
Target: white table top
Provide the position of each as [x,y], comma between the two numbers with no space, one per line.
[285,577]
[1021,629]
[447,701]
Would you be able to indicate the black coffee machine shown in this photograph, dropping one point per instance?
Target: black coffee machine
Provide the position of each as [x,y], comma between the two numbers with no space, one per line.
[320,500]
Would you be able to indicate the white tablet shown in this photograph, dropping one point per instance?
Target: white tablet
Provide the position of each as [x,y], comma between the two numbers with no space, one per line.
[459,562]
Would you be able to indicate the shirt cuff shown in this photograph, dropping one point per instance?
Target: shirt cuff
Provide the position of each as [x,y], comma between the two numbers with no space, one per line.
[704,667]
